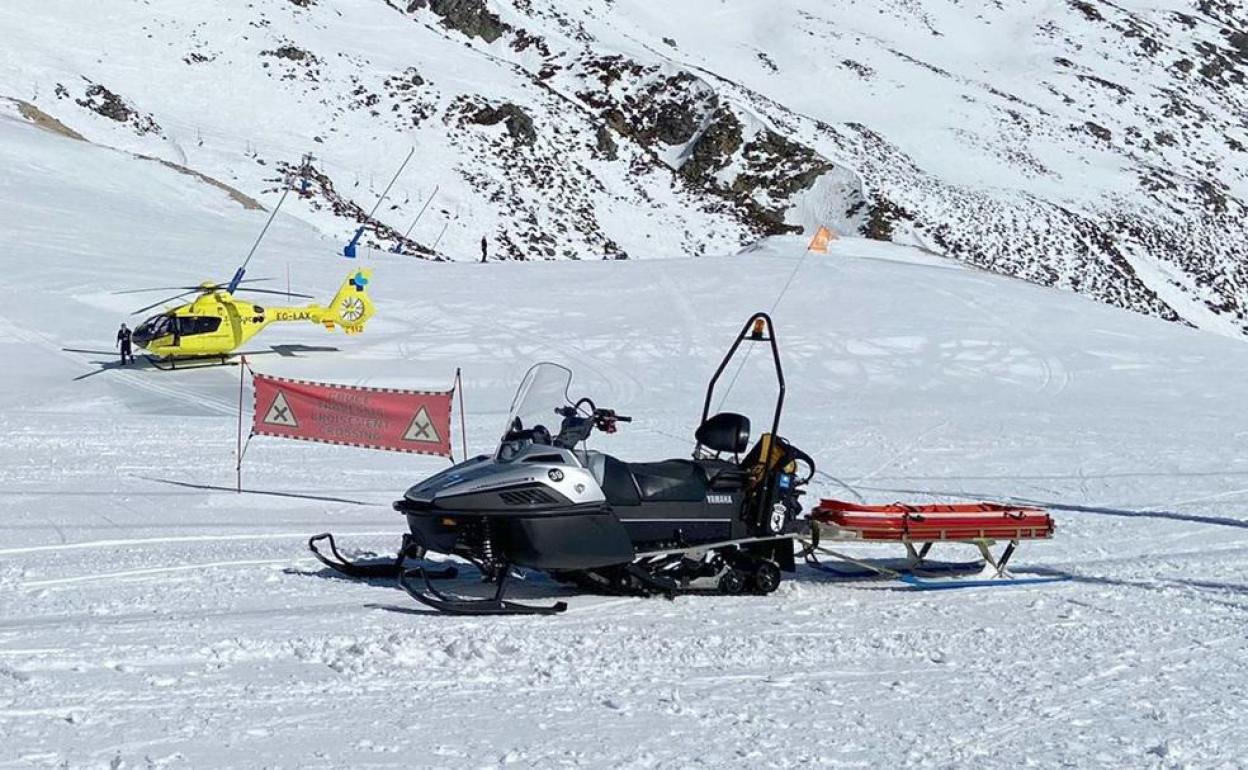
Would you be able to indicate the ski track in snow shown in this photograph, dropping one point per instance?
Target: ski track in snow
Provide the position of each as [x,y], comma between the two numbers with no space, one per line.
[148,625]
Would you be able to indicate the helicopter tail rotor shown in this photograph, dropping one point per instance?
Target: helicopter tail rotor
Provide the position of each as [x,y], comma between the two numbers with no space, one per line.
[352,306]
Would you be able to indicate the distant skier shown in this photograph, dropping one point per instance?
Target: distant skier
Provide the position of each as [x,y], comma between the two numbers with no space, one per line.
[123,339]
[484,246]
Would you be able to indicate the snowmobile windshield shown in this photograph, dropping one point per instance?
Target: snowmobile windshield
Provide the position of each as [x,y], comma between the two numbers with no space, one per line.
[543,390]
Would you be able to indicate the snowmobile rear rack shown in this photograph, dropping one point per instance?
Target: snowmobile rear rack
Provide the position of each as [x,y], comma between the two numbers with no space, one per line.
[758,328]
[390,570]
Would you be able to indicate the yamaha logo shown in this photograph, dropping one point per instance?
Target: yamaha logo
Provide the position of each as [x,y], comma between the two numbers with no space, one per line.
[555,474]
[719,499]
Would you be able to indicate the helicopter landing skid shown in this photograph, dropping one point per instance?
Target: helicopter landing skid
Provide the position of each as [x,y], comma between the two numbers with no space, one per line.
[189,362]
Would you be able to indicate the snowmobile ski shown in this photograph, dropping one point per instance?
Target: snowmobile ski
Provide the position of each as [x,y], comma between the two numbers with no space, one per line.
[379,570]
[460,605]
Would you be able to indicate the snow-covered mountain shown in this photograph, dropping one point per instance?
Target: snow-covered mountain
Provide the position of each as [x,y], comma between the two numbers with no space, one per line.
[1095,146]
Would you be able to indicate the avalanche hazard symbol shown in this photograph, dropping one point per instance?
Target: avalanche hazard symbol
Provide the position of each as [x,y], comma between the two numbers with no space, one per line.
[280,413]
[421,430]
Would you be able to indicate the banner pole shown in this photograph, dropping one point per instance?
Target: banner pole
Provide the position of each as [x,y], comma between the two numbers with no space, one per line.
[463,431]
[238,447]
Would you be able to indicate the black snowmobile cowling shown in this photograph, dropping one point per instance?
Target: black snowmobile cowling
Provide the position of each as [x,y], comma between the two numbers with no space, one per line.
[723,521]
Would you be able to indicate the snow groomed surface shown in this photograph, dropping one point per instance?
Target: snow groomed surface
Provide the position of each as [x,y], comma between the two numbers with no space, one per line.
[148,619]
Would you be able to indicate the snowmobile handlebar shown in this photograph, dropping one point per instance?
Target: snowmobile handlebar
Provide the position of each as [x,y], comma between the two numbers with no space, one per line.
[596,415]
[577,424]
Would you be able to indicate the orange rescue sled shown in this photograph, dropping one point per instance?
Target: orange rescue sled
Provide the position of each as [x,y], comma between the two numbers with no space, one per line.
[919,527]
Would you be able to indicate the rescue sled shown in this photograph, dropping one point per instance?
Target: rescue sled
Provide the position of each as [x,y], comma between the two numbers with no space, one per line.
[918,527]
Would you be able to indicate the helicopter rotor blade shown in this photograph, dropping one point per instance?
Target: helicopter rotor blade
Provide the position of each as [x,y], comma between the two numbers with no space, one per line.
[282,293]
[163,301]
[152,288]
[213,287]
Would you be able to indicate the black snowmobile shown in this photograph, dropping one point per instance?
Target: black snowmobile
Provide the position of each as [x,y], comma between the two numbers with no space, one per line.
[722,522]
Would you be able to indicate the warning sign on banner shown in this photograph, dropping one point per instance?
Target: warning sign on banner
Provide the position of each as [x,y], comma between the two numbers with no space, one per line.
[422,429]
[376,418]
[279,413]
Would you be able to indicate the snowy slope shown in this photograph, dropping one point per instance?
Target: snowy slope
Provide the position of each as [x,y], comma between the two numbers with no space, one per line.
[144,624]
[1093,146]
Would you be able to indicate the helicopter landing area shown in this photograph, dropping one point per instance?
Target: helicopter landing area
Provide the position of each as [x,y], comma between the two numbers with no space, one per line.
[148,623]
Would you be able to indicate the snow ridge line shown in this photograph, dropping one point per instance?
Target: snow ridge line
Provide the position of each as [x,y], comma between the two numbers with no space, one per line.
[156,571]
[91,544]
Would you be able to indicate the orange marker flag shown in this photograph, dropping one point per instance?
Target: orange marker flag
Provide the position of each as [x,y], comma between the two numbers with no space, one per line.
[820,242]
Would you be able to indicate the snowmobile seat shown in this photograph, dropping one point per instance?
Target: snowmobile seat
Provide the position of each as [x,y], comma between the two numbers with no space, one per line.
[614,478]
[723,476]
[684,481]
[670,481]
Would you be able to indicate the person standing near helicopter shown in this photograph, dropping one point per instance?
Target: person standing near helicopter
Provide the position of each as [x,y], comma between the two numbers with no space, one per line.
[123,340]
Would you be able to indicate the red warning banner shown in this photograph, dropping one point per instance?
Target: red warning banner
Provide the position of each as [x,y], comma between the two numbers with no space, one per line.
[375,418]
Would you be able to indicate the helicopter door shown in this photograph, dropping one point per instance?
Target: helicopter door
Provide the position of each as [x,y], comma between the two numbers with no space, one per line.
[186,326]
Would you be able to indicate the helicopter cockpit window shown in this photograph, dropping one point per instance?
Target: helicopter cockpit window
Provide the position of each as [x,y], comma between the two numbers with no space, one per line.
[163,325]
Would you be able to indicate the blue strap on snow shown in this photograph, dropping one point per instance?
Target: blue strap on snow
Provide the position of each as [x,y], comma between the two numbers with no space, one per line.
[948,568]
[945,585]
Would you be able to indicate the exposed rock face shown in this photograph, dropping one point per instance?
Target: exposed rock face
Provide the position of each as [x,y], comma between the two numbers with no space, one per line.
[104,102]
[713,146]
[294,63]
[881,217]
[713,150]
[519,124]
[470,17]
[605,144]
[291,52]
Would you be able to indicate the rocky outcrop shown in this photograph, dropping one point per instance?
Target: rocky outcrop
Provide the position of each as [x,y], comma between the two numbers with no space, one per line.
[605,144]
[713,146]
[110,105]
[519,124]
[471,17]
[714,149]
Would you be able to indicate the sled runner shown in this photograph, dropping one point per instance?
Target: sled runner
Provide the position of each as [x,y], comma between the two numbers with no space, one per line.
[919,527]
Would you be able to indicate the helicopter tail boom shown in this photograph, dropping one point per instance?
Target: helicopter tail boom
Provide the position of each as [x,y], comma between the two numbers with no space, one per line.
[350,308]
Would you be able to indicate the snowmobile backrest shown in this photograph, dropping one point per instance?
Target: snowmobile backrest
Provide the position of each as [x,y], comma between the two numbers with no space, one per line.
[725,432]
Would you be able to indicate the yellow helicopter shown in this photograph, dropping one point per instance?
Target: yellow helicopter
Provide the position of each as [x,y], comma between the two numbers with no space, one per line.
[216,323]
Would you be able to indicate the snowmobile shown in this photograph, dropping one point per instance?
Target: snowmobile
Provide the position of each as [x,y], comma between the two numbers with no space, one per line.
[724,521]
